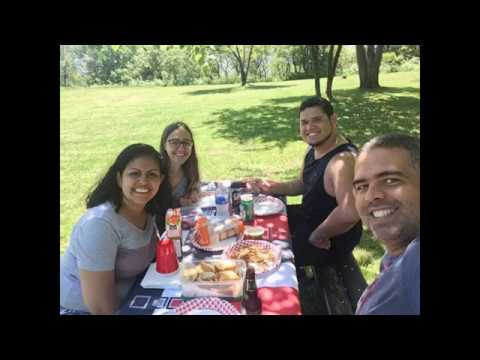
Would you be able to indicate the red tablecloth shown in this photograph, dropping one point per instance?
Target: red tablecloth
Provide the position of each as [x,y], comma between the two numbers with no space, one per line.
[276,224]
[277,301]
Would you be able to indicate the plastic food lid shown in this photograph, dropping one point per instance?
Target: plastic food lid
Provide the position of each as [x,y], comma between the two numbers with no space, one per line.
[254,230]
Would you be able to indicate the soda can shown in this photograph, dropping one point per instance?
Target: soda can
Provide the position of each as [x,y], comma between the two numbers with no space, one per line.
[246,207]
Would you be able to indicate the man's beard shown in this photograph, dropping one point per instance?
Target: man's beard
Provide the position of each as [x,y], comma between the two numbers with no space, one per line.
[321,142]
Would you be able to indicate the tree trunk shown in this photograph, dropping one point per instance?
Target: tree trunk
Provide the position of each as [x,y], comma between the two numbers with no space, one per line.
[243,77]
[241,63]
[332,67]
[248,65]
[376,68]
[62,57]
[362,65]
[369,65]
[316,68]
[304,60]
[330,72]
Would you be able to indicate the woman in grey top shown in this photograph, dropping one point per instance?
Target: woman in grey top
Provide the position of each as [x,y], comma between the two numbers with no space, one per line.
[113,241]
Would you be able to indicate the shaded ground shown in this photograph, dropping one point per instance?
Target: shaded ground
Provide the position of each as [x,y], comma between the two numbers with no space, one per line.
[227,90]
[362,115]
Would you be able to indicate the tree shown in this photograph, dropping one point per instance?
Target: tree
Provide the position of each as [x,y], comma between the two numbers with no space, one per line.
[243,59]
[69,65]
[332,67]
[261,58]
[315,50]
[369,65]
[406,51]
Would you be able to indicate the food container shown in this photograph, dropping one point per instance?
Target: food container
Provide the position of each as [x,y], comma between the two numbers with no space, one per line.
[219,288]
[254,232]
[212,232]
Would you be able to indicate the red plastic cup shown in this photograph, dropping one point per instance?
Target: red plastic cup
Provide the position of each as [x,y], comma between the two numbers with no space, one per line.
[167,262]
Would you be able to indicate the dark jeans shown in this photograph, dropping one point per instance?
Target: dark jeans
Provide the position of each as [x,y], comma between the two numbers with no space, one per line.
[307,254]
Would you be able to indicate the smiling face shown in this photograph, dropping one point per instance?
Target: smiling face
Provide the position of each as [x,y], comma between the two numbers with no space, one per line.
[179,146]
[140,181]
[315,126]
[387,195]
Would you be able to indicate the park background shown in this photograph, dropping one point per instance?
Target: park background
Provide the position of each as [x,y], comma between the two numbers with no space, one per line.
[241,102]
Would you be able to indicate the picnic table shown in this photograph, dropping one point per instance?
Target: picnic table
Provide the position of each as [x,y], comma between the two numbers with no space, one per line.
[277,290]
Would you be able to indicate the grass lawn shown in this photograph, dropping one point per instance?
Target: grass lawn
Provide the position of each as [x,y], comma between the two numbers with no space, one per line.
[239,132]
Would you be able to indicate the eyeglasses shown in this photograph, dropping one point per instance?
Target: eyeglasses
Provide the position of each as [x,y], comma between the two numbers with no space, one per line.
[176,143]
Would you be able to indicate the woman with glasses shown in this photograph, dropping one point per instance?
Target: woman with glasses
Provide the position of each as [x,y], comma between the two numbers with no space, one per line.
[177,150]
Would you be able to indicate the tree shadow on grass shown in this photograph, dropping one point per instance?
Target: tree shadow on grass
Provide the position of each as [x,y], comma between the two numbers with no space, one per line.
[265,87]
[362,115]
[226,90]
[264,123]
[222,90]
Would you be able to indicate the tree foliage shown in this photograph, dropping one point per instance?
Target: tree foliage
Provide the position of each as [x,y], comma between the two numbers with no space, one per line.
[210,64]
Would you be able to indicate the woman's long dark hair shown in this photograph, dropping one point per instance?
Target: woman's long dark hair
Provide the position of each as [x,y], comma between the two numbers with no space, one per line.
[107,188]
[190,167]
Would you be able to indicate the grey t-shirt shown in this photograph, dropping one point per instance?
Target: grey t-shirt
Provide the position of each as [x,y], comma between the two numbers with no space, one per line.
[103,240]
[396,291]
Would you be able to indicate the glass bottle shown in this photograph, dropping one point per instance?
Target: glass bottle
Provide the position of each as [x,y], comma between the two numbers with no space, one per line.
[251,303]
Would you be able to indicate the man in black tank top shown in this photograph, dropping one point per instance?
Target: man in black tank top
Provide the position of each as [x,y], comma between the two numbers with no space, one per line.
[326,225]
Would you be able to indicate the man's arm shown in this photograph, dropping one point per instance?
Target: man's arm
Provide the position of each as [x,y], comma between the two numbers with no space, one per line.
[289,188]
[344,216]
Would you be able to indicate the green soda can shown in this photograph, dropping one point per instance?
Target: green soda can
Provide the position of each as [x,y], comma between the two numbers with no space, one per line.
[246,207]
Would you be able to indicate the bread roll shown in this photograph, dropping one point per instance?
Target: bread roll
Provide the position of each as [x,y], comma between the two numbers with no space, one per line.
[208,267]
[190,274]
[228,275]
[208,276]
[225,265]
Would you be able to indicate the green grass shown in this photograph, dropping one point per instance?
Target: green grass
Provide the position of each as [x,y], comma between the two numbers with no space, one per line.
[238,131]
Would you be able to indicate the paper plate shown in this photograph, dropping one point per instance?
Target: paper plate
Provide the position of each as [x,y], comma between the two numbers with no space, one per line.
[260,268]
[220,246]
[204,312]
[267,205]
[207,306]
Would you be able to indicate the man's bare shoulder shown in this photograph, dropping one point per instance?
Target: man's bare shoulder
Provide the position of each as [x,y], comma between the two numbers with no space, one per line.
[342,160]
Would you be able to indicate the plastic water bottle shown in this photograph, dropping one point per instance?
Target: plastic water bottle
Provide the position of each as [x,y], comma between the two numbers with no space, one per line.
[221,201]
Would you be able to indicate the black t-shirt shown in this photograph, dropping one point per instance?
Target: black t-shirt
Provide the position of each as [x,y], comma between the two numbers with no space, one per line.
[317,203]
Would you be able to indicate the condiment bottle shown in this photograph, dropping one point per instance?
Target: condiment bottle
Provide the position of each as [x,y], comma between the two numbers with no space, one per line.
[251,303]
[173,224]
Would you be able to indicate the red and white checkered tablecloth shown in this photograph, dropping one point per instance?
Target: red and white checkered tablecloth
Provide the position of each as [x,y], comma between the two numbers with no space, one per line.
[207,303]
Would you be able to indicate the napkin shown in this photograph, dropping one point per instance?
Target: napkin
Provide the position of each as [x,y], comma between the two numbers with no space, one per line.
[284,276]
[154,280]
